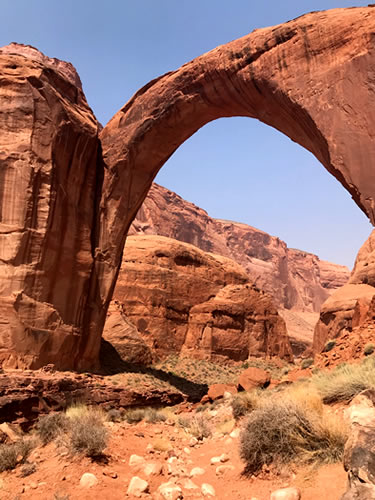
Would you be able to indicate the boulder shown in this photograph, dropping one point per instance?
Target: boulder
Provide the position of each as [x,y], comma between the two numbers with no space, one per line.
[359,453]
[346,308]
[253,378]
[217,391]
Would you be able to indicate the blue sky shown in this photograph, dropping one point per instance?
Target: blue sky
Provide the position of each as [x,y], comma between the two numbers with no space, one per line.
[235,168]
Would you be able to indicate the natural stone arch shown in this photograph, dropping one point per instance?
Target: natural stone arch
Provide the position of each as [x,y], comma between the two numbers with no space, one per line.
[312,78]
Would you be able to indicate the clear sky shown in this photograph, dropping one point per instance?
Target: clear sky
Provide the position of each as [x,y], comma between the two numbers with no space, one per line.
[234,168]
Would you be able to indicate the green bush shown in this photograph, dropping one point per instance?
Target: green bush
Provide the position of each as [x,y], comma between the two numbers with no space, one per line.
[329,345]
[284,431]
[50,426]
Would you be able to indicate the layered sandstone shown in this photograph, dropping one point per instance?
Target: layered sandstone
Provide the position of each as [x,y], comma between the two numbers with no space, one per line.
[65,214]
[184,300]
[49,177]
[351,306]
[296,279]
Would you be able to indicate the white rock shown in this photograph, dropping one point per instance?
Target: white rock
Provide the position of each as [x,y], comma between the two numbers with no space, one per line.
[88,480]
[286,494]
[224,469]
[152,469]
[207,490]
[170,491]
[228,441]
[224,458]
[197,471]
[187,451]
[136,460]
[215,460]
[189,485]
[235,433]
[193,441]
[137,486]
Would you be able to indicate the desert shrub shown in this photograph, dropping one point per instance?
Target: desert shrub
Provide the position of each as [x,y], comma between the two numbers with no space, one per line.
[153,416]
[27,469]
[161,444]
[135,415]
[77,410]
[369,349]
[329,345]
[88,434]
[199,427]
[49,426]
[184,422]
[281,431]
[343,383]
[114,415]
[59,496]
[306,363]
[15,453]
[244,402]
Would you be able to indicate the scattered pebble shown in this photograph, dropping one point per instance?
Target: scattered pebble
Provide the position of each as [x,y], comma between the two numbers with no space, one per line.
[88,480]
[137,486]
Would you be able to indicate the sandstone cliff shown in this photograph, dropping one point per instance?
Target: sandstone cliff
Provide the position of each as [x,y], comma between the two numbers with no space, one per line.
[181,299]
[66,210]
[352,305]
[297,280]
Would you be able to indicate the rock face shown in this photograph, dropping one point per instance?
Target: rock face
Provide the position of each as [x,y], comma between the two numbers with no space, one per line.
[352,306]
[324,106]
[48,154]
[184,300]
[297,280]
[65,215]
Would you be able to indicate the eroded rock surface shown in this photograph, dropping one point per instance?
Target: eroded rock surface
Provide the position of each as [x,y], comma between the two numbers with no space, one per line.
[63,229]
[351,306]
[49,176]
[296,279]
[184,300]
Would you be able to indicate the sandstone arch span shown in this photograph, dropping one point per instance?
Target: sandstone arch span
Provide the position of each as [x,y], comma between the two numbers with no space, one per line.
[312,78]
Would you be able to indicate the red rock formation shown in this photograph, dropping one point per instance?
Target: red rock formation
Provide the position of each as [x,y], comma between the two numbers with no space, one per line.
[182,299]
[349,306]
[297,280]
[48,181]
[310,78]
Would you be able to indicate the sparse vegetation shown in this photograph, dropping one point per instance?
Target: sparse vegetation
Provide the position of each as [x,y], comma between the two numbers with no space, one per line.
[88,434]
[115,415]
[369,349]
[197,426]
[15,453]
[27,469]
[282,430]
[49,426]
[329,345]
[134,415]
[306,363]
[244,402]
[153,416]
[345,381]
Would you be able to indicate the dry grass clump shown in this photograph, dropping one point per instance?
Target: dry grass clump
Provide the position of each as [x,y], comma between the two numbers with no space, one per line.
[50,426]
[88,434]
[134,415]
[306,363]
[346,381]
[153,416]
[283,430]
[245,402]
[197,426]
[162,445]
[15,453]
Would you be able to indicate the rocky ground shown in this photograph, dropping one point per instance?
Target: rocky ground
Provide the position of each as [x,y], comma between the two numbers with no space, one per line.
[160,453]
